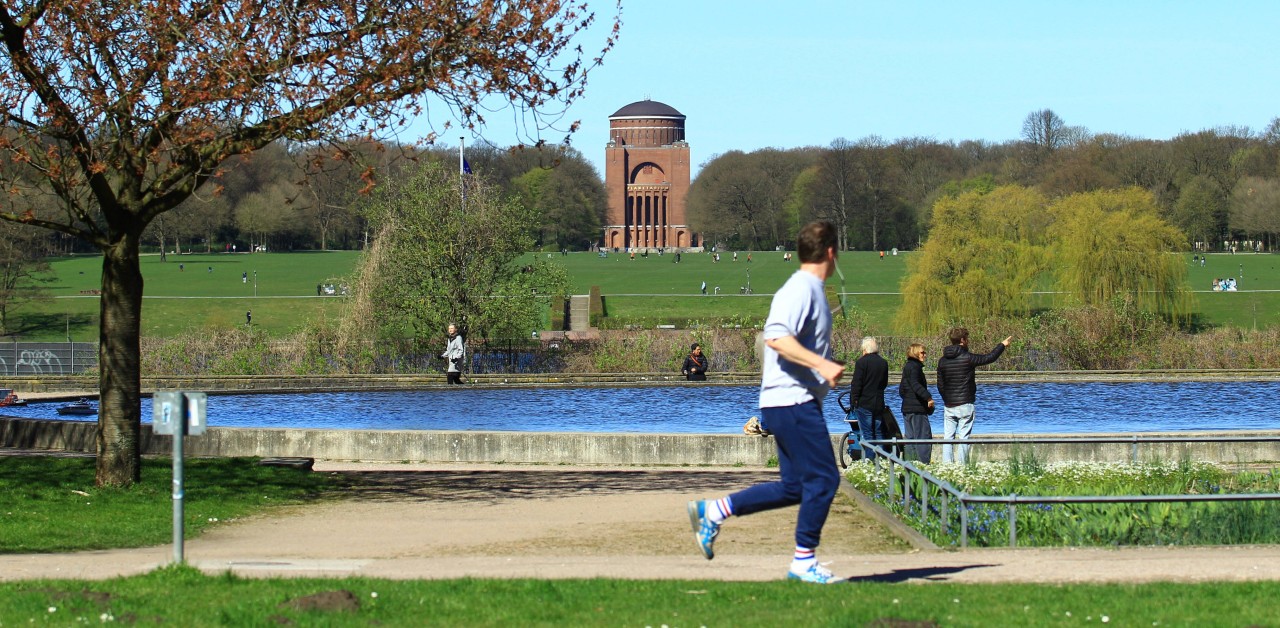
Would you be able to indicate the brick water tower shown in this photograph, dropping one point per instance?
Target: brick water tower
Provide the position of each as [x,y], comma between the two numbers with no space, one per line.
[647,179]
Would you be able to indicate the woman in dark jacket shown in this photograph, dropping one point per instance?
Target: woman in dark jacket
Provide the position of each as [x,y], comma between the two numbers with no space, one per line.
[695,366]
[917,403]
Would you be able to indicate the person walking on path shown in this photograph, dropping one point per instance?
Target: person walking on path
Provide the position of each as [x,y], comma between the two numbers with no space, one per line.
[917,404]
[797,374]
[452,355]
[695,366]
[866,393]
[958,389]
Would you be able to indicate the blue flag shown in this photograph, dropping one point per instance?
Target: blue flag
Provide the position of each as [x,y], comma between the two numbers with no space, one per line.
[466,167]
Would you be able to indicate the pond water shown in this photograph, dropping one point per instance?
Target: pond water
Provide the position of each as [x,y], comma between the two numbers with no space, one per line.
[1001,408]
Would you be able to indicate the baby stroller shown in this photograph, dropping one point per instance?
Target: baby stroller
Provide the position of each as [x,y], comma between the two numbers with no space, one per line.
[852,449]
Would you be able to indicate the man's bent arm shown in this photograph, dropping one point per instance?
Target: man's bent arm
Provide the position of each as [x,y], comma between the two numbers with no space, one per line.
[792,351]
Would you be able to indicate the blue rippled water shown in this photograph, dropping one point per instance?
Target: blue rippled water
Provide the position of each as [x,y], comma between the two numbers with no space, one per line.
[1002,408]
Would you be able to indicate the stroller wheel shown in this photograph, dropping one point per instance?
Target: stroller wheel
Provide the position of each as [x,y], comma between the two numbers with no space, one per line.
[851,449]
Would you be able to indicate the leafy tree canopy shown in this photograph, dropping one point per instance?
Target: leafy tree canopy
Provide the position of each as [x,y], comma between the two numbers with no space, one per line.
[987,253]
[442,256]
[982,258]
[1113,243]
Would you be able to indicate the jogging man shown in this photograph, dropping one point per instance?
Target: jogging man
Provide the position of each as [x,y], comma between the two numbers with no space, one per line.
[798,372]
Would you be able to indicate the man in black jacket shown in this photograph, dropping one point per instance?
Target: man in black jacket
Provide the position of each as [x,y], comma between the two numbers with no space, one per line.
[866,392]
[957,386]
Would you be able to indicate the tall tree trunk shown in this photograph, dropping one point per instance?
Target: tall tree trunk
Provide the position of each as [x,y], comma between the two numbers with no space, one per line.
[119,365]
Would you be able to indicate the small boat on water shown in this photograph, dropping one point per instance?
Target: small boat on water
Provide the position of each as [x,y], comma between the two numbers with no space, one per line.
[8,399]
[81,408]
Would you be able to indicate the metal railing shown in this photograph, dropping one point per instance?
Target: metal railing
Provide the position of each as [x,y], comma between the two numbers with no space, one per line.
[946,492]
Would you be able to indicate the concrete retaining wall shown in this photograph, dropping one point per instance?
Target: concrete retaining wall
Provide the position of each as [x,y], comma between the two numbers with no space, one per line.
[580,447]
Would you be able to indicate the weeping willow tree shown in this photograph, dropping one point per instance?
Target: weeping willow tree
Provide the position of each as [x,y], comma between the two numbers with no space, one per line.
[983,256]
[1112,243]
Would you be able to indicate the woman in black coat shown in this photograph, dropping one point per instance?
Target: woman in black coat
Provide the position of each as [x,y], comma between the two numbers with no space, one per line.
[695,366]
[917,403]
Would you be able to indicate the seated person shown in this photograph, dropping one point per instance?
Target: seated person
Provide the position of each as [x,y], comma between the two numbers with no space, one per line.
[695,366]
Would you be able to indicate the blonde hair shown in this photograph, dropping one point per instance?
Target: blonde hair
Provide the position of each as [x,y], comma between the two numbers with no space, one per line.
[914,350]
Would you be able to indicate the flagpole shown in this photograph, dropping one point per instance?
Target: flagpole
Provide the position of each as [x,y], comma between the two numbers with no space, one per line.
[462,171]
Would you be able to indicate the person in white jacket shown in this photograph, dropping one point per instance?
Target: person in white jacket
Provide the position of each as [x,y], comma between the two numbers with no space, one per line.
[453,355]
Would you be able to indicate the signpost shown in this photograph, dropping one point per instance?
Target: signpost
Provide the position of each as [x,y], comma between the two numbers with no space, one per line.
[178,414]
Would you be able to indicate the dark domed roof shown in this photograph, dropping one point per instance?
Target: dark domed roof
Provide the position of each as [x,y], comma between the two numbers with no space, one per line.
[647,109]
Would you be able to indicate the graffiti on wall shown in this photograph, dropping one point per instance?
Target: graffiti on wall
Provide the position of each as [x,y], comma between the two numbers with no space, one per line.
[47,358]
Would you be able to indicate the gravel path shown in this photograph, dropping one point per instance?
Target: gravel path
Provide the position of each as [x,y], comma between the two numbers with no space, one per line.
[447,521]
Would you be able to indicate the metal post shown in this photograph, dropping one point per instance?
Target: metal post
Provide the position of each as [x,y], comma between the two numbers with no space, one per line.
[906,489]
[944,514]
[924,500]
[1013,524]
[893,480]
[180,429]
[964,524]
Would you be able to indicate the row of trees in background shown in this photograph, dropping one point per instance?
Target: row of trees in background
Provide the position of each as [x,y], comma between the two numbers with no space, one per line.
[292,196]
[1219,186]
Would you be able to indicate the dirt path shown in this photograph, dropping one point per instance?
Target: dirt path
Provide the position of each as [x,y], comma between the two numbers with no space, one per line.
[403,521]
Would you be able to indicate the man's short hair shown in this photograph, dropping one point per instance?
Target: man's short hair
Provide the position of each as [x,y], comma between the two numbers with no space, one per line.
[958,334]
[694,346]
[869,345]
[813,241]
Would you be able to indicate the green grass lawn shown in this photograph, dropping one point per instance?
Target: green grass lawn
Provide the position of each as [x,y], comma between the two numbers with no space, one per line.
[183,596]
[203,291]
[52,505]
[198,291]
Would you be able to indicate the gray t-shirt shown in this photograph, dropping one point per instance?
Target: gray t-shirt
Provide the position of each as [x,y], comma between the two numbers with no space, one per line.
[799,309]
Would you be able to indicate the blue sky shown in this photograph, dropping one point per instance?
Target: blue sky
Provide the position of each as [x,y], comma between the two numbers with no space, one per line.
[757,74]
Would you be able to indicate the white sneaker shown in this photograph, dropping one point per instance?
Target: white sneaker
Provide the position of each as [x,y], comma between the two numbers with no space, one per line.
[816,574]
